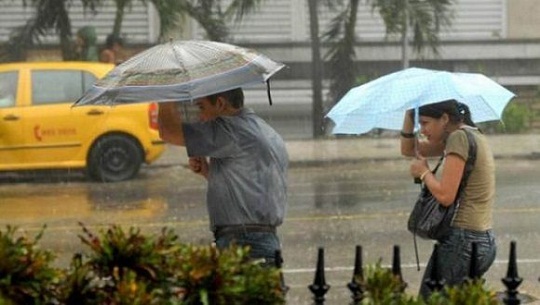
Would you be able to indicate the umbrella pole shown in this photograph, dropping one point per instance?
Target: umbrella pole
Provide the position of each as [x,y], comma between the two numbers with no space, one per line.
[416,126]
[416,139]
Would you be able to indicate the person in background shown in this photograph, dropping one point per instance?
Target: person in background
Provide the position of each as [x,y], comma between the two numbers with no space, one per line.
[85,44]
[443,126]
[245,163]
[112,53]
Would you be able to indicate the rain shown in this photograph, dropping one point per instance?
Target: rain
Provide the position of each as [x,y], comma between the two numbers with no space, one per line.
[343,190]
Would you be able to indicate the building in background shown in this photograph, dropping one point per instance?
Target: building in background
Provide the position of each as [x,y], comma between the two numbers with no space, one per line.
[500,38]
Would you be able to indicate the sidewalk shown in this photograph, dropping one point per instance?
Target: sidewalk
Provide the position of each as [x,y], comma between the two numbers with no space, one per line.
[360,149]
[356,149]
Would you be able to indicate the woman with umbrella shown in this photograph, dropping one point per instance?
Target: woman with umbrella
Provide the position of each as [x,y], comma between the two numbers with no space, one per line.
[444,126]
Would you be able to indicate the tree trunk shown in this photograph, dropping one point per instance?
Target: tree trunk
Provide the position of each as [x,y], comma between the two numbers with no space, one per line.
[119,17]
[405,36]
[65,36]
[316,72]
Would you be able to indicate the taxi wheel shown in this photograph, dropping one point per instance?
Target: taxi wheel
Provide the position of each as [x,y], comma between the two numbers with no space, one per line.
[114,158]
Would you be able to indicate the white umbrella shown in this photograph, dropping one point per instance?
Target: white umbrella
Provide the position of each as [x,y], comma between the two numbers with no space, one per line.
[382,102]
[181,71]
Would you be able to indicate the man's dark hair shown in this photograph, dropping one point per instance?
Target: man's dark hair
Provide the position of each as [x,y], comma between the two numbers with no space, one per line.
[234,96]
[112,39]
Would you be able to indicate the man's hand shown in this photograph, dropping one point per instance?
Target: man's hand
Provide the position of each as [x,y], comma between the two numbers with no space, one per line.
[170,123]
[199,165]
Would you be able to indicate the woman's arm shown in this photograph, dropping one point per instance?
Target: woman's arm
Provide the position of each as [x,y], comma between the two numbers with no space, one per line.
[411,144]
[446,189]
[170,124]
[407,137]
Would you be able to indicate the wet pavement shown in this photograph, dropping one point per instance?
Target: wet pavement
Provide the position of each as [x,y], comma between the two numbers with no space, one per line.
[343,192]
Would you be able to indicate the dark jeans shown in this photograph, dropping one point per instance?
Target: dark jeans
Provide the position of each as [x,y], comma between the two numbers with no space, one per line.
[454,256]
[263,244]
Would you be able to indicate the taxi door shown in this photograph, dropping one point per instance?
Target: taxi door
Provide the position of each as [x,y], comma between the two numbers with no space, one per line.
[12,154]
[58,134]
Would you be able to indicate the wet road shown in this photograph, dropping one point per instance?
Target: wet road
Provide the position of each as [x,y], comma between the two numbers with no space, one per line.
[335,206]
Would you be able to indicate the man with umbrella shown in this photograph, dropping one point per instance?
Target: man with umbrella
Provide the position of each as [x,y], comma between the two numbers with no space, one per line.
[241,156]
[245,163]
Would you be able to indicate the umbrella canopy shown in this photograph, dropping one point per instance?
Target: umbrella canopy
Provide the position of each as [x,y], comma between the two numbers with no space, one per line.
[382,102]
[181,71]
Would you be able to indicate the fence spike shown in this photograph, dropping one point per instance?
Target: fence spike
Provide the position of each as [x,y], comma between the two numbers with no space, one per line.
[435,282]
[396,268]
[279,265]
[512,279]
[356,286]
[319,287]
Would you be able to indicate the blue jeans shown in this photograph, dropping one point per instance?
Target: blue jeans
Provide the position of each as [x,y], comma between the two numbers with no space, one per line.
[454,256]
[263,244]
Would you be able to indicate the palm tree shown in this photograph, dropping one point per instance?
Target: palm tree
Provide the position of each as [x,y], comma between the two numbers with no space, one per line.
[341,55]
[169,12]
[53,14]
[316,72]
[317,63]
[212,16]
[424,17]
[49,15]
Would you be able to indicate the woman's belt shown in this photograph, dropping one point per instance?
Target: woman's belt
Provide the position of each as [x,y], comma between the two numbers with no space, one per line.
[221,231]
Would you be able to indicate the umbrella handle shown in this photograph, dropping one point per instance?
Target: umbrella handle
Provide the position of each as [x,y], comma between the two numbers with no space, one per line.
[415,124]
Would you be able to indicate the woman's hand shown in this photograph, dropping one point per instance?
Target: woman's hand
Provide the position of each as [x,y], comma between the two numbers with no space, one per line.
[418,166]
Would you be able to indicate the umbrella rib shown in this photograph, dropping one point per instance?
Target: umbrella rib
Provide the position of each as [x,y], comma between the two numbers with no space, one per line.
[178,59]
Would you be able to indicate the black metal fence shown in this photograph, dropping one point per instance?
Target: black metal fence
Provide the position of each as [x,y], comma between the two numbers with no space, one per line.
[319,287]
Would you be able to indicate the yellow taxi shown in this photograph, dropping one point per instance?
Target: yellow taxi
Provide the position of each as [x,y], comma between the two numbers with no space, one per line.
[39,128]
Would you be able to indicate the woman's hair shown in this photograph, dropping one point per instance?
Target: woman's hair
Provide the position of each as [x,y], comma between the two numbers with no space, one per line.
[234,96]
[457,112]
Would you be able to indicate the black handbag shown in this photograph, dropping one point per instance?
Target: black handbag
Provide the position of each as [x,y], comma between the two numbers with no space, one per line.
[429,219]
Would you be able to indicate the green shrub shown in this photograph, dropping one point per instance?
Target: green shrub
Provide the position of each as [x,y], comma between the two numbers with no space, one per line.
[26,276]
[382,287]
[515,119]
[4,301]
[128,267]
[469,293]
[210,276]
[132,268]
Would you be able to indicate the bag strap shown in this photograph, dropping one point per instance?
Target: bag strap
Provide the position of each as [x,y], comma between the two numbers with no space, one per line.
[434,171]
[469,165]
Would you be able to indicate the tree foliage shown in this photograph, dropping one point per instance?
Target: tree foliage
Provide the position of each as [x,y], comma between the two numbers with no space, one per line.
[341,55]
[426,18]
[213,16]
[52,16]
